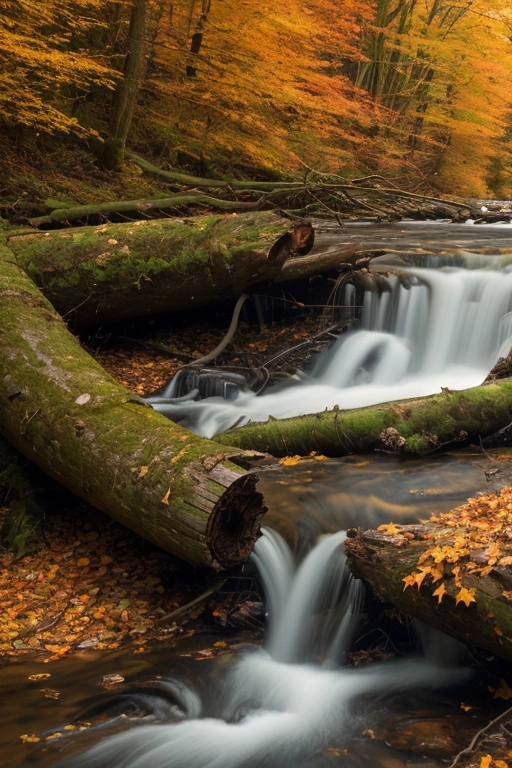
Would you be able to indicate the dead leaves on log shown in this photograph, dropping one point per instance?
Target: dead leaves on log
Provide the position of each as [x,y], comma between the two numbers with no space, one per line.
[472,540]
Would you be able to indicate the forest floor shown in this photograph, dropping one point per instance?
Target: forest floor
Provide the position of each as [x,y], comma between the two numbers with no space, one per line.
[92,583]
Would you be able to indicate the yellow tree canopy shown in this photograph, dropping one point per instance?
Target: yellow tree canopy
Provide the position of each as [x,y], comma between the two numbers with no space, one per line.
[263,77]
[44,62]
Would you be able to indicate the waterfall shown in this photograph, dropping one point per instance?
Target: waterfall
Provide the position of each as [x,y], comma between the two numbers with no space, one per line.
[442,328]
[276,708]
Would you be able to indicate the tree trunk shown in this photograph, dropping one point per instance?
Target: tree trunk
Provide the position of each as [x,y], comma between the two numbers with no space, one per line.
[61,410]
[116,271]
[383,560]
[408,426]
[125,95]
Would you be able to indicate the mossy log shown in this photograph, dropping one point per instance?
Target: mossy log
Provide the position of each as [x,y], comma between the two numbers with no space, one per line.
[61,410]
[383,560]
[416,426]
[94,275]
[142,207]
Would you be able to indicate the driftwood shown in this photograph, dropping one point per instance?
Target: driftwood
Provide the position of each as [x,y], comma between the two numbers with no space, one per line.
[61,410]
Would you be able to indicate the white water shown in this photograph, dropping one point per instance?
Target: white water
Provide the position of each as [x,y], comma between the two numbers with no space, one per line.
[275,707]
[446,331]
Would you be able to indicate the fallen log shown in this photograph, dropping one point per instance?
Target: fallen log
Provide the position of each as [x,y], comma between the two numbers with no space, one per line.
[453,572]
[94,275]
[416,426]
[138,208]
[61,410]
[117,271]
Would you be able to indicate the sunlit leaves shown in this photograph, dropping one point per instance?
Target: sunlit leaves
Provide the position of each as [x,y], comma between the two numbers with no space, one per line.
[43,62]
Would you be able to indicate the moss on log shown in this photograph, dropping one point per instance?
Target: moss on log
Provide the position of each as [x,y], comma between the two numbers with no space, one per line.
[139,207]
[416,426]
[94,275]
[61,410]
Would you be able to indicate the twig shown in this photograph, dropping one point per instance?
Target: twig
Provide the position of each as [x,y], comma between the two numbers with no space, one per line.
[217,584]
[497,720]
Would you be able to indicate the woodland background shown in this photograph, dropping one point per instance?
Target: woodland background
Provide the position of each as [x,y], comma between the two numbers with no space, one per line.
[415,90]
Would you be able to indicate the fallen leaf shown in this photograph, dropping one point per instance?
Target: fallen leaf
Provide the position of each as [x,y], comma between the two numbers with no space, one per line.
[465,596]
[503,692]
[391,528]
[439,593]
[165,499]
[485,761]
[290,461]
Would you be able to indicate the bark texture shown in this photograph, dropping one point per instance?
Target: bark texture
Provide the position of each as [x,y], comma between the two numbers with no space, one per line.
[116,271]
[384,560]
[416,426]
[60,409]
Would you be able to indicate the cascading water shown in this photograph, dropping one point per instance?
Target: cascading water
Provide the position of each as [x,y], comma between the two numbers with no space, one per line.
[446,329]
[276,707]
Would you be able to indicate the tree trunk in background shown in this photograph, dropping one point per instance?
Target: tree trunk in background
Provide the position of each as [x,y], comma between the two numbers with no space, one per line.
[407,426]
[61,410]
[117,271]
[125,94]
[196,40]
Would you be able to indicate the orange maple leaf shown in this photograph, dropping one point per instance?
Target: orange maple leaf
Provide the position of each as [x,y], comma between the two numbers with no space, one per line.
[409,581]
[439,593]
[391,528]
[290,461]
[465,596]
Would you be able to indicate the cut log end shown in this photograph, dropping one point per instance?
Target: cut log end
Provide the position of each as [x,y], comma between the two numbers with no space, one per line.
[234,524]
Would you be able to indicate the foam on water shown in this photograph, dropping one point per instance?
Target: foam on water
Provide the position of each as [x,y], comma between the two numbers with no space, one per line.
[273,713]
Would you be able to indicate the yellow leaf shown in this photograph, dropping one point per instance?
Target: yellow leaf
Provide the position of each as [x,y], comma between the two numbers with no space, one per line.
[485,761]
[180,454]
[465,596]
[143,472]
[420,575]
[503,692]
[165,499]
[391,528]
[436,573]
[500,764]
[507,594]
[290,461]
[409,581]
[439,593]
[507,560]
[82,562]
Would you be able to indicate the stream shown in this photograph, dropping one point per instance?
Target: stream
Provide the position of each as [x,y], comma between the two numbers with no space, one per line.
[293,700]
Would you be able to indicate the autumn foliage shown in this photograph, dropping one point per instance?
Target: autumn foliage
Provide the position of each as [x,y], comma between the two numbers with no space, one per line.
[470,540]
[417,90]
